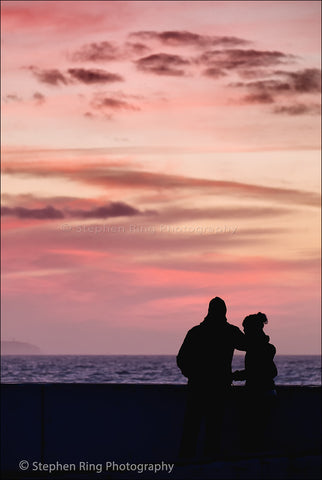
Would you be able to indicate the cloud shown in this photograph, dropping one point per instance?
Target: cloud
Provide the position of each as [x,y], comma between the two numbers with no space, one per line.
[162,64]
[52,76]
[89,76]
[137,48]
[298,109]
[46,213]
[93,208]
[261,97]
[108,52]
[178,38]
[96,52]
[114,176]
[39,98]
[232,59]
[111,103]
[113,209]
[214,73]
[262,91]
[255,73]
[290,85]
[69,207]
[272,86]
[12,97]
[303,81]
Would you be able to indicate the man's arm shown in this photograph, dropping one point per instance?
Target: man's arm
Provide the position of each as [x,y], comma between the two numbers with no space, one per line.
[185,355]
[239,340]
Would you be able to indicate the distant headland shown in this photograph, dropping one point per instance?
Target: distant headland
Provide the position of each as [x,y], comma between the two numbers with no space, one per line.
[19,348]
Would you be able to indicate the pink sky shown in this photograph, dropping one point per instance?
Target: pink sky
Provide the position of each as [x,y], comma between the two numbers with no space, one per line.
[155,155]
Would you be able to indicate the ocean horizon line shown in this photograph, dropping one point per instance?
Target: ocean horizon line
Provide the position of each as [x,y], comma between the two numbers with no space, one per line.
[137,354]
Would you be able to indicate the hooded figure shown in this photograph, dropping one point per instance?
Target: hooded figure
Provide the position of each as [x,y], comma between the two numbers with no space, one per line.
[207,351]
[205,359]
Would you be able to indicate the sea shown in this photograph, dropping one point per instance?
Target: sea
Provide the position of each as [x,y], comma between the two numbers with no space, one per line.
[161,369]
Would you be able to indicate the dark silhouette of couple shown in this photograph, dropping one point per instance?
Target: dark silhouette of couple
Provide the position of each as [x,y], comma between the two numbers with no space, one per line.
[205,358]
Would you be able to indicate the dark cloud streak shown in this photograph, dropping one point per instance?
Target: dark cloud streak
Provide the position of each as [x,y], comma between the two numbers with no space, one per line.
[214,73]
[108,52]
[96,52]
[290,86]
[56,78]
[178,38]
[112,103]
[90,76]
[46,213]
[113,209]
[261,97]
[162,64]
[53,77]
[234,59]
[137,48]
[303,81]
[298,109]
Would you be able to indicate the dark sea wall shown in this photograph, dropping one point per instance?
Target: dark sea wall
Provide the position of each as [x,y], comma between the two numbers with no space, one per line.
[97,423]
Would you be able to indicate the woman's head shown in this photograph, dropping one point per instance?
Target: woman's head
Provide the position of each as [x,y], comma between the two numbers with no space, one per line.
[253,324]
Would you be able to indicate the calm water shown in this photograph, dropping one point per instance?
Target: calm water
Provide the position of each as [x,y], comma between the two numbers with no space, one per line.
[292,369]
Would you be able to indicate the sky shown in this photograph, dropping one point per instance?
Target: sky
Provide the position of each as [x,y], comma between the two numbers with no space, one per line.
[156,155]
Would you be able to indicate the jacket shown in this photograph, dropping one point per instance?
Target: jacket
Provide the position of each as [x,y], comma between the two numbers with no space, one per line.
[207,351]
[260,369]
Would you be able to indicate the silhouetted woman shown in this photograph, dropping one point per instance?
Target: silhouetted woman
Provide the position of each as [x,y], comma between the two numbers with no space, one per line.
[260,371]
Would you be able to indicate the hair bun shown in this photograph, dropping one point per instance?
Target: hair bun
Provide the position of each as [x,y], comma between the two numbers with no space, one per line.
[262,317]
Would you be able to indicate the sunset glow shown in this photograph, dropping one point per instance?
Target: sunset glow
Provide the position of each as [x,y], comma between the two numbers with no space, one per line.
[155,155]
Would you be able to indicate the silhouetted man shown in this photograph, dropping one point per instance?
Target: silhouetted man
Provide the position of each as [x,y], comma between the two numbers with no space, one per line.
[205,359]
